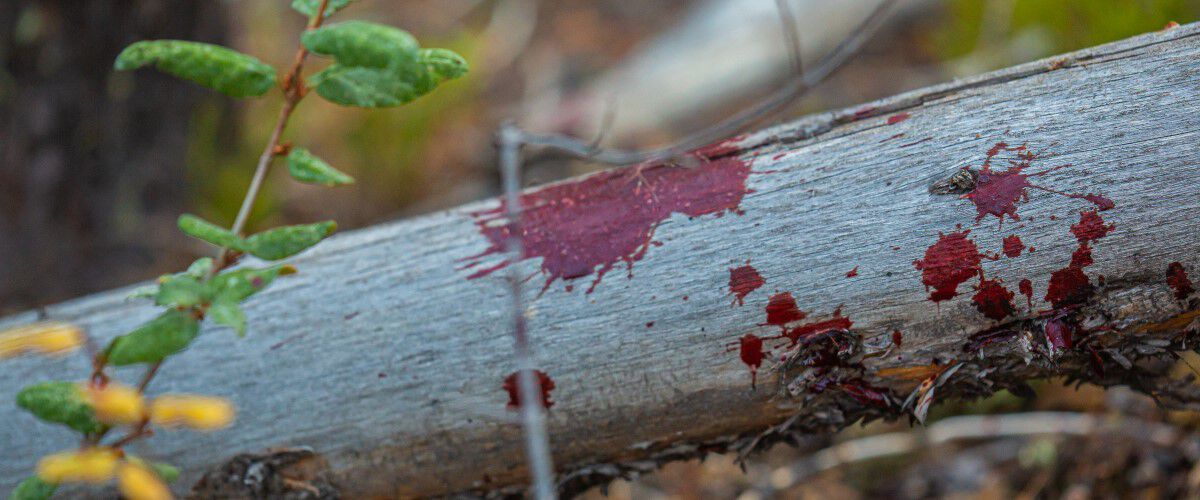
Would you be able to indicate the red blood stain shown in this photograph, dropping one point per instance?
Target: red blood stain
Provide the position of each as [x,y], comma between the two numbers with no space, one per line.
[545,383]
[897,118]
[950,262]
[999,192]
[782,309]
[649,324]
[853,272]
[751,351]
[807,331]
[864,393]
[897,338]
[992,299]
[1068,287]
[897,136]
[1013,246]
[1060,333]
[743,280]
[1082,257]
[1026,289]
[587,226]
[1177,278]
[1091,227]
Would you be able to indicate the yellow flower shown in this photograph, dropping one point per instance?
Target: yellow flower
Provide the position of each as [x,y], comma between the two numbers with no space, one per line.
[91,465]
[49,337]
[197,412]
[139,483]
[116,404]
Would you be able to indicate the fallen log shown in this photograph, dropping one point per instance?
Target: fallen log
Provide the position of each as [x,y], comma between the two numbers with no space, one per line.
[949,242]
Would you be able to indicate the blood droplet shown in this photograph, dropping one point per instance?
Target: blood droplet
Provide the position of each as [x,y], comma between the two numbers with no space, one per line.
[743,280]
[1013,246]
[897,338]
[1026,289]
[998,193]
[992,299]
[1068,287]
[1177,279]
[545,384]
[782,309]
[897,118]
[950,262]
[1091,227]
[1082,257]
[852,273]
[751,351]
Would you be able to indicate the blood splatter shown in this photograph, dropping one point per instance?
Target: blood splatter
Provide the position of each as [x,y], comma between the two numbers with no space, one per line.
[1069,287]
[743,280]
[1082,257]
[999,192]
[1091,227]
[588,226]
[897,118]
[1177,279]
[897,338]
[782,309]
[649,324]
[852,273]
[1013,246]
[751,351]
[808,331]
[992,299]
[1026,289]
[950,262]
[545,384]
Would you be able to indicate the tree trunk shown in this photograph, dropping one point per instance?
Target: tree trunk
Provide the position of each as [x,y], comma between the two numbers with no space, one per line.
[946,243]
[91,161]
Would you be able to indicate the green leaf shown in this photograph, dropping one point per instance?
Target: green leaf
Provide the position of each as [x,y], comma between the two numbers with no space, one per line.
[364,44]
[200,268]
[445,64]
[206,231]
[152,342]
[240,284]
[224,70]
[305,167]
[309,7]
[286,241]
[167,472]
[370,87]
[33,488]
[180,290]
[229,313]
[61,403]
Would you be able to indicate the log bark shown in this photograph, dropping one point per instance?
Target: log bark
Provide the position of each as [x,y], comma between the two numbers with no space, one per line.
[387,353]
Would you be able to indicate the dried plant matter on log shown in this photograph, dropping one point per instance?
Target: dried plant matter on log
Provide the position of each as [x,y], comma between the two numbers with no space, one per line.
[404,394]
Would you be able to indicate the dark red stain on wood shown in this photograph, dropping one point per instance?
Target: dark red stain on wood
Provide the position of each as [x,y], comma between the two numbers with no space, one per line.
[950,262]
[897,338]
[1026,289]
[998,192]
[808,331]
[588,226]
[782,309]
[1082,257]
[545,384]
[1013,246]
[987,337]
[751,352]
[743,280]
[1177,279]
[1091,227]
[1069,287]
[992,299]
[852,273]
[897,118]
[649,324]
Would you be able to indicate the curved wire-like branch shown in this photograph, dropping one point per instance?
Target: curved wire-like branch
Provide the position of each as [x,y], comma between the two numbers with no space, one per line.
[804,81]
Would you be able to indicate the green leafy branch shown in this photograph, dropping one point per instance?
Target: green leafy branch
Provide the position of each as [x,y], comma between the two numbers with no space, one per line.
[372,66]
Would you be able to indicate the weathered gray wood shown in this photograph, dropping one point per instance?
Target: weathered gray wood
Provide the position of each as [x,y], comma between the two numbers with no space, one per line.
[387,360]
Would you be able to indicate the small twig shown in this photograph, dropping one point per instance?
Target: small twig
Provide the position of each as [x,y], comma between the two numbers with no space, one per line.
[537,441]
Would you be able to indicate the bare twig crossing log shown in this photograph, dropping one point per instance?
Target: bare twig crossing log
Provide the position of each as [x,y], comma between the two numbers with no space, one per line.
[847,256]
